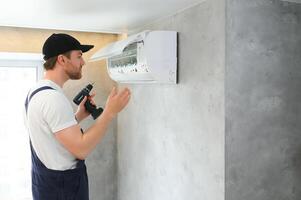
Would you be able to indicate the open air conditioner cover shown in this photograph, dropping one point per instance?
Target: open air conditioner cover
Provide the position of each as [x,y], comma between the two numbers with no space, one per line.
[117,48]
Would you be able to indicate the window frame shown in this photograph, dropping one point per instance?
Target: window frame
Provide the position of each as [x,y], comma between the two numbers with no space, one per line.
[16,59]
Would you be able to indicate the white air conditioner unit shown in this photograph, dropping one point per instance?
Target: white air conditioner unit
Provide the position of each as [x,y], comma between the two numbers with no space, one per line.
[149,56]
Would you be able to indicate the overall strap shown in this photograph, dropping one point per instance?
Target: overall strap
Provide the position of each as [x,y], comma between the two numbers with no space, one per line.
[34,158]
[35,92]
[36,161]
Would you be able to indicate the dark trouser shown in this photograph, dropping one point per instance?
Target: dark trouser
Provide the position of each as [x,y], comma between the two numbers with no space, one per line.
[50,184]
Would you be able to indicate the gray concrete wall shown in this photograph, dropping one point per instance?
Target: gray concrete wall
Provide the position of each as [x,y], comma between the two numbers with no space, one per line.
[263,81]
[171,137]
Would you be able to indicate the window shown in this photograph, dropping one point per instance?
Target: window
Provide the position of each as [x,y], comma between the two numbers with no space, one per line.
[18,72]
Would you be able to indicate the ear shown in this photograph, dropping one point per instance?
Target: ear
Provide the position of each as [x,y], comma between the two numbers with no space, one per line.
[61,59]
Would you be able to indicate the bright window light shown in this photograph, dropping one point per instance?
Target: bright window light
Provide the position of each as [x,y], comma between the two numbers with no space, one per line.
[15,160]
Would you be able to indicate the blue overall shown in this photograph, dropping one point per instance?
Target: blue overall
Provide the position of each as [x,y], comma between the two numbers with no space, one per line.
[48,184]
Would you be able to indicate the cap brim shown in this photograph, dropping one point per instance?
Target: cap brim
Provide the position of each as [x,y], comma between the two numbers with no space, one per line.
[85,48]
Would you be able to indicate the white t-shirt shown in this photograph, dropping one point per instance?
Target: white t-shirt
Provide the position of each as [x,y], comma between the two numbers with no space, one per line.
[49,111]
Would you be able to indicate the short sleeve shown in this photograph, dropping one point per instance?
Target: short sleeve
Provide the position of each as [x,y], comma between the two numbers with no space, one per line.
[58,112]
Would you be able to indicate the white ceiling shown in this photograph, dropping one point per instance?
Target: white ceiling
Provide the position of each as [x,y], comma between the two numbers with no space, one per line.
[114,16]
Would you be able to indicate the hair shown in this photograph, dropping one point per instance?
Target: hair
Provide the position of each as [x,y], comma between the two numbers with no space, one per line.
[50,62]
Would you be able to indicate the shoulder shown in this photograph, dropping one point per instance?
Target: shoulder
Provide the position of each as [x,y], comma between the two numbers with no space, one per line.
[47,95]
[47,99]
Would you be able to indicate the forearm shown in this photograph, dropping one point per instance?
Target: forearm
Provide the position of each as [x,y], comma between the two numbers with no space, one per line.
[94,134]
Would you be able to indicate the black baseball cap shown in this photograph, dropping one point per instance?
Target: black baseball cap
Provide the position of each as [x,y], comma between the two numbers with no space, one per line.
[59,43]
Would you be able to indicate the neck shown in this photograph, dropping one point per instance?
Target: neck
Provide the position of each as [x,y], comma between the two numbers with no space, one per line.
[56,76]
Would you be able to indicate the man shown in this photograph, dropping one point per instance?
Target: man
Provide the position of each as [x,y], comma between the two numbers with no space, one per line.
[57,144]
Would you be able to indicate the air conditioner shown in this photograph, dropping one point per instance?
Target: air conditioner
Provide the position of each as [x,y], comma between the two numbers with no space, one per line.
[149,56]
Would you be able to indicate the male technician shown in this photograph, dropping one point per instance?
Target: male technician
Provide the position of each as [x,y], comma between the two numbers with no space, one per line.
[57,144]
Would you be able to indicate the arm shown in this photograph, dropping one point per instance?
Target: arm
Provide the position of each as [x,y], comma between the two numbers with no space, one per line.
[80,145]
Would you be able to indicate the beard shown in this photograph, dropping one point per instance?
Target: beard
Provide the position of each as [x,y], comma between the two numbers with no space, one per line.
[74,75]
